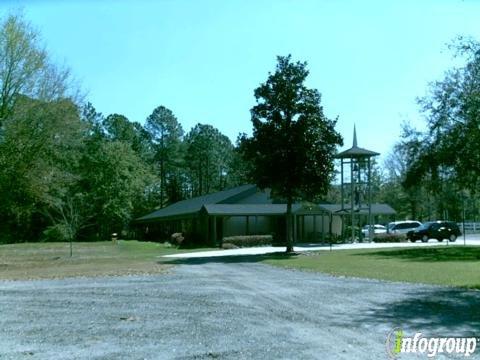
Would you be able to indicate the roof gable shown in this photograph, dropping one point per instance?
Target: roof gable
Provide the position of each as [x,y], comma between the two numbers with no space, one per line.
[249,209]
[194,205]
[377,209]
[248,200]
[356,152]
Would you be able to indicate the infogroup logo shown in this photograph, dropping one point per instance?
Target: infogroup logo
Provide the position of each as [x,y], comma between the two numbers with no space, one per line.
[397,343]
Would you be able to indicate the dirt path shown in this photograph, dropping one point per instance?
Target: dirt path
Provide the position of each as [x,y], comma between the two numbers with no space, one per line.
[223,310]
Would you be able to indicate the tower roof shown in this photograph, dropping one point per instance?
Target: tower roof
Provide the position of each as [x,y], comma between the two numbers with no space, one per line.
[355,151]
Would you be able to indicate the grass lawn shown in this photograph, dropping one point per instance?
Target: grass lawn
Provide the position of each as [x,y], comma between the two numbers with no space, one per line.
[450,266]
[52,260]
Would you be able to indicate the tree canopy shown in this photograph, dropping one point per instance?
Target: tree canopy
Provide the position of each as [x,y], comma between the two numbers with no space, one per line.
[209,158]
[25,68]
[438,169]
[68,172]
[165,134]
[293,143]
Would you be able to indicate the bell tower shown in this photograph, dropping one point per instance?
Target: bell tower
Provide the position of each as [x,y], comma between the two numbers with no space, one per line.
[356,182]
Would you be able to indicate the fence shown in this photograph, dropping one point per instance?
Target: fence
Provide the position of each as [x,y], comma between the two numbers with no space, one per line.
[470,227]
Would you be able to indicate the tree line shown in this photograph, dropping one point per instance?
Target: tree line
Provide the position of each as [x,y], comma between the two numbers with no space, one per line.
[434,173]
[68,172]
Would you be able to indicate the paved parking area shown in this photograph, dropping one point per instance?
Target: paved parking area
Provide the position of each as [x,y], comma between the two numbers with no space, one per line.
[472,240]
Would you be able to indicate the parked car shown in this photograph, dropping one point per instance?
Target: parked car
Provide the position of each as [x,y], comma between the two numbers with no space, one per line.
[439,230]
[402,227]
[377,229]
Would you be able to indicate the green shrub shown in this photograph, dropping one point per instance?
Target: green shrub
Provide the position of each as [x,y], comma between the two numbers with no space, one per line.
[8,238]
[334,239]
[326,238]
[55,233]
[314,236]
[248,240]
[356,230]
[278,240]
[389,238]
[229,246]
[177,239]
[192,240]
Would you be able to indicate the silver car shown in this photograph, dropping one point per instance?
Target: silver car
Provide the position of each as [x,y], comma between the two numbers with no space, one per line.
[402,227]
[377,229]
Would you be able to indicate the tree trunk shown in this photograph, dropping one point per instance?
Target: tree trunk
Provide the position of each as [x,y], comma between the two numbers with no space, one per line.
[207,176]
[289,238]
[162,182]
[200,180]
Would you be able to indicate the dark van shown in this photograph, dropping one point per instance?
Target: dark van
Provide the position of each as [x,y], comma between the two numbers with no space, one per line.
[439,230]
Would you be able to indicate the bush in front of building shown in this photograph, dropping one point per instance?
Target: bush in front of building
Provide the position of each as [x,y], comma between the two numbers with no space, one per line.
[389,238]
[247,240]
[229,246]
[177,239]
[357,231]
[333,239]
[192,240]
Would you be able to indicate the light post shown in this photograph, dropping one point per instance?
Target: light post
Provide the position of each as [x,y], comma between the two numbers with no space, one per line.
[463,219]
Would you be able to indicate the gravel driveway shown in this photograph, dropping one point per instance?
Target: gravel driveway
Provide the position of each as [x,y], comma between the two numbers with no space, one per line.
[219,308]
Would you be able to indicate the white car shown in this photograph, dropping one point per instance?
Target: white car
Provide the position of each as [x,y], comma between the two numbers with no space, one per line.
[402,227]
[377,229]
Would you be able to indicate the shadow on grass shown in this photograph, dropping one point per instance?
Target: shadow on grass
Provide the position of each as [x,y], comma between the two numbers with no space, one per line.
[313,245]
[453,253]
[231,259]
[430,310]
[194,247]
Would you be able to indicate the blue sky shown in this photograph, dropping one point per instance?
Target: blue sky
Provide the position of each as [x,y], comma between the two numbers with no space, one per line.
[203,59]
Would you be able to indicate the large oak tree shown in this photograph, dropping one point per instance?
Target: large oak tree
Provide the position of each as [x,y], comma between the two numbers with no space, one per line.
[293,143]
